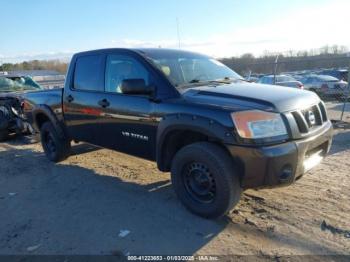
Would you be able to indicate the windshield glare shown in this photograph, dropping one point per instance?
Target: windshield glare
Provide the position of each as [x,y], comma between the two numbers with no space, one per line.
[182,71]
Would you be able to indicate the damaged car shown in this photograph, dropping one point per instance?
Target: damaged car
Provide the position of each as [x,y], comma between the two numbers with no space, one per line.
[12,120]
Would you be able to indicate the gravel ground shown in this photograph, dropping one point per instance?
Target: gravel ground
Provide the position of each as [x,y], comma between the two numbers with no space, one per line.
[103,202]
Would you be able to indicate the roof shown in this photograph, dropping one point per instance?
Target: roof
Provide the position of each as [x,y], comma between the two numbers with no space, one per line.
[153,52]
[165,51]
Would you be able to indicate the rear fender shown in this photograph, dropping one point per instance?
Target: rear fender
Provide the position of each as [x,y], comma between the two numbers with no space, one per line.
[50,115]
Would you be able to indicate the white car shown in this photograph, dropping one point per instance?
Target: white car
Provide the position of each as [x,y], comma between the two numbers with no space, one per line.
[326,86]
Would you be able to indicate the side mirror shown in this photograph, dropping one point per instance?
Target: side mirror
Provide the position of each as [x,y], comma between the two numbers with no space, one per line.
[136,87]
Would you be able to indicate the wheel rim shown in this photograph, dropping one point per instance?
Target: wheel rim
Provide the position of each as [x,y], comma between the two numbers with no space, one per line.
[49,143]
[199,182]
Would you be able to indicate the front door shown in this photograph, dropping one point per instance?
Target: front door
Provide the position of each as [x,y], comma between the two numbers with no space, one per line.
[127,123]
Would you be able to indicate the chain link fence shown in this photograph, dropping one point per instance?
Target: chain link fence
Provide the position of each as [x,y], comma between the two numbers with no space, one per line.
[327,77]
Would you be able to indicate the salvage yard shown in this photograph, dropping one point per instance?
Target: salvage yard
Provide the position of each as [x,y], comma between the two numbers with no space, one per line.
[103,202]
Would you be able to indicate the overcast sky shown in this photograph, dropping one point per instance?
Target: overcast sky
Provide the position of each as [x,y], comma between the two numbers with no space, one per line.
[42,29]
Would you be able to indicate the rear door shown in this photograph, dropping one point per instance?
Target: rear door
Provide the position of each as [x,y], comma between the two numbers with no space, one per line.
[82,99]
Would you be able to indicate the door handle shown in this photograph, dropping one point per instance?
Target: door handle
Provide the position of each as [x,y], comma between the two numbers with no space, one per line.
[69,98]
[104,103]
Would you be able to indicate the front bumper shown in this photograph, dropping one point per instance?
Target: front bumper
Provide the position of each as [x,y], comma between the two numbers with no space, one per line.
[281,165]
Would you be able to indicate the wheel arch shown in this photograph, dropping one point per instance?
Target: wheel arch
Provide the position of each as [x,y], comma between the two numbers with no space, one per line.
[42,114]
[177,131]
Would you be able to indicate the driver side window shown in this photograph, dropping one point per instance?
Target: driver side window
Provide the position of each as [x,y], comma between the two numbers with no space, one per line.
[122,67]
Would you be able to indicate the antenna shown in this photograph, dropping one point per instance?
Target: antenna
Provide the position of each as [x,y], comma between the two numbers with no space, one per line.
[178,32]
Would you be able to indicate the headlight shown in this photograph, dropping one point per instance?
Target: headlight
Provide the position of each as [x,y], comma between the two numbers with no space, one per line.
[255,124]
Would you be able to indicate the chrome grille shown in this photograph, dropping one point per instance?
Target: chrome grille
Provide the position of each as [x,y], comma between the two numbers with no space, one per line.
[310,118]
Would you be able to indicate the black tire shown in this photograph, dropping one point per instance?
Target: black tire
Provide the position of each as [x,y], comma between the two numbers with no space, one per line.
[3,135]
[55,147]
[205,179]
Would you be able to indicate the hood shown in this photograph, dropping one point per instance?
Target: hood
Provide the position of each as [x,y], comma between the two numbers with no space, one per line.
[251,95]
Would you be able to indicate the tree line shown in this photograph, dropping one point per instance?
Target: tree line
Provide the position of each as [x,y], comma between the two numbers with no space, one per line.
[325,57]
[55,65]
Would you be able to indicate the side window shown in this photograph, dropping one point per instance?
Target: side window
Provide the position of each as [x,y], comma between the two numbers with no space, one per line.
[122,67]
[88,73]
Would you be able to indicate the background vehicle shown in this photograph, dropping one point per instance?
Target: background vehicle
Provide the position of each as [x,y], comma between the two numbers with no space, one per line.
[195,117]
[252,79]
[11,107]
[340,74]
[13,83]
[326,86]
[281,80]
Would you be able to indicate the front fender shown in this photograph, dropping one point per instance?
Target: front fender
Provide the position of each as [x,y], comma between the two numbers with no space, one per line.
[186,122]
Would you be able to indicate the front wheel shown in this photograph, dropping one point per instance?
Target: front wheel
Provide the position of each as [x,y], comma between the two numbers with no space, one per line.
[55,147]
[205,180]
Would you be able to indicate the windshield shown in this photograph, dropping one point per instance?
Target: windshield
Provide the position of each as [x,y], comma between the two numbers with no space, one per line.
[185,69]
[11,84]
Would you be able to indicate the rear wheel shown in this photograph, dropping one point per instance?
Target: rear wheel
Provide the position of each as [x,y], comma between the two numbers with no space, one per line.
[55,147]
[205,180]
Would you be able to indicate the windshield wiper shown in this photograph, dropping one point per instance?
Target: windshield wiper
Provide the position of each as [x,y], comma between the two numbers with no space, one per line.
[205,82]
[196,82]
[234,79]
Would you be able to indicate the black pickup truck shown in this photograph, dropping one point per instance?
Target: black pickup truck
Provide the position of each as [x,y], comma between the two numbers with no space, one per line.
[215,132]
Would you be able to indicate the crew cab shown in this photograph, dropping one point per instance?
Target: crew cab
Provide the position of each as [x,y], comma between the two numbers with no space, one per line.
[216,133]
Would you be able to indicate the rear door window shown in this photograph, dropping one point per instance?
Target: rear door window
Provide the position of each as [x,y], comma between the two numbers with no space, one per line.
[88,74]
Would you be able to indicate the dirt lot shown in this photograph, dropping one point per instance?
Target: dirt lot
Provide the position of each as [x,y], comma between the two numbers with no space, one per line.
[335,109]
[85,205]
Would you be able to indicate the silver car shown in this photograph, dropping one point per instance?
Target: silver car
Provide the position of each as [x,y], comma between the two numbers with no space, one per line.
[326,86]
[281,80]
